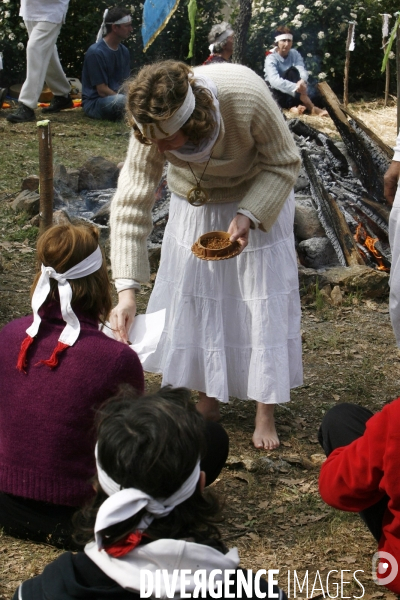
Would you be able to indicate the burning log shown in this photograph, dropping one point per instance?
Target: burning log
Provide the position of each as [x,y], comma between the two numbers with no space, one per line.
[370,174]
[332,219]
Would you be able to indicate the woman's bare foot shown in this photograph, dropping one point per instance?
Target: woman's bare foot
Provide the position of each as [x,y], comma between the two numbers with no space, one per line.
[265,436]
[297,110]
[208,407]
[319,112]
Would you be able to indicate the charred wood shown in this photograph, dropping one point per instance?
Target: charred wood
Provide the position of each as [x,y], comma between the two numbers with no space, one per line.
[370,175]
[378,156]
[331,218]
[387,150]
[306,131]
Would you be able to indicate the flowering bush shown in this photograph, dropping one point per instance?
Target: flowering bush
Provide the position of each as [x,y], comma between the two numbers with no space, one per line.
[81,27]
[320,32]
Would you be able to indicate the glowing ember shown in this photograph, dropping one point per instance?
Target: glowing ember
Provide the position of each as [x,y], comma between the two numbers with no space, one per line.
[362,237]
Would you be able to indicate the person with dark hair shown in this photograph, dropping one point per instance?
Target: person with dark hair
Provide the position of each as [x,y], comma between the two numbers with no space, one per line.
[106,66]
[221,43]
[232,326]
[150,510]
[361,474]
[55,370]
[287,77]
[43,21]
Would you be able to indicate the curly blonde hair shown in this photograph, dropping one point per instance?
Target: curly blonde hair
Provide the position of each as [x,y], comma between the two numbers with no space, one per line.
[156,93]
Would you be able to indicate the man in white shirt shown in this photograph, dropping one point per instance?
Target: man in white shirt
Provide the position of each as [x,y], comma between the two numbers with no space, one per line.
[43,21]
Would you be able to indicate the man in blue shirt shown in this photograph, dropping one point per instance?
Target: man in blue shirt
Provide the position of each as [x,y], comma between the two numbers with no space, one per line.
[106,66]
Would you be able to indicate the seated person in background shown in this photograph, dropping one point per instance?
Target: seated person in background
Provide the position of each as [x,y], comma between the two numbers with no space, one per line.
[287,77]
[106,66]
[149,512]
[221,43]
[54,373]
[361,474]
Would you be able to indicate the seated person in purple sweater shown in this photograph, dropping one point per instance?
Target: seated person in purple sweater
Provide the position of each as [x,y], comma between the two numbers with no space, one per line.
[54,373]
[150,515]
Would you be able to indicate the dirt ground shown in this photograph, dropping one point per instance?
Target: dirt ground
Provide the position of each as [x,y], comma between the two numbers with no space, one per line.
[272,512]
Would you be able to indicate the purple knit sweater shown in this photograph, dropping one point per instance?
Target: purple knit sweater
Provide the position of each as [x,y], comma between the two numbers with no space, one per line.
[47,434]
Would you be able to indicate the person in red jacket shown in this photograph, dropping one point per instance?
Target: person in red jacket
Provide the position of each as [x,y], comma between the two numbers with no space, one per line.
[361,474]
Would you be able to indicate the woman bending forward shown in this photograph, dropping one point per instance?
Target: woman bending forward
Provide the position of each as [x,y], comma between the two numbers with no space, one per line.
[232,326]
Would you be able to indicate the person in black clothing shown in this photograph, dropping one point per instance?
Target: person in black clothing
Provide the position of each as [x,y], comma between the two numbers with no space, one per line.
[149,511]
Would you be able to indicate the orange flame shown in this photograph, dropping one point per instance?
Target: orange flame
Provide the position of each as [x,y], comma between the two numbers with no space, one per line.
[362,237]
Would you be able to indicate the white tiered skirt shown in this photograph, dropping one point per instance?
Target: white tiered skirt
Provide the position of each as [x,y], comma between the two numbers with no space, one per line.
[232,326]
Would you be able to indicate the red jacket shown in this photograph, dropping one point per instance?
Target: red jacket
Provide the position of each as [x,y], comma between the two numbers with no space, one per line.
[356,476]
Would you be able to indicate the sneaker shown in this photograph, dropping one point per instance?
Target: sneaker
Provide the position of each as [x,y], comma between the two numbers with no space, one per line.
[59,103]
[3,94]
[21,115]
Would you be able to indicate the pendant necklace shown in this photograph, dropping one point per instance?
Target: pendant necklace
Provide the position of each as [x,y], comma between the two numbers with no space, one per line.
[197,196]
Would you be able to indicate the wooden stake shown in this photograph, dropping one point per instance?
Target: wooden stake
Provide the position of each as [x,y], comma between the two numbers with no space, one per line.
[347,64]
[46,188]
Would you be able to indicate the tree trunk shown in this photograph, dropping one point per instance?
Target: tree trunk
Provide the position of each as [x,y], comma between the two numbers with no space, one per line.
[241,29]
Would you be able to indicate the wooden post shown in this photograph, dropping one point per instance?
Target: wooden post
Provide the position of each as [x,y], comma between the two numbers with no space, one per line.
[347,64]
[46,189]
[385,26]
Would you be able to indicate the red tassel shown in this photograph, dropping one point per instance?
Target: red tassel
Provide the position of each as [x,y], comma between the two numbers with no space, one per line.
[22,361]
[125,545]
[53,360]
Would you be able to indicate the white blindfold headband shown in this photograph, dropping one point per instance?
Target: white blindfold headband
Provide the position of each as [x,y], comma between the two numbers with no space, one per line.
[284,36]
[86,267]
[159,130]
[224,36]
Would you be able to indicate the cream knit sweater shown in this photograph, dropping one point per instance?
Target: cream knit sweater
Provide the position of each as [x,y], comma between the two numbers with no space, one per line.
[254,161]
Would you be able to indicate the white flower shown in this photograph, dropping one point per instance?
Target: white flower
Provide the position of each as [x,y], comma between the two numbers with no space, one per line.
[362,36]
[354,16]
[20,46]
[321,75]
[6,1]
[338,8]
[306,11]
[332,70]
[369,36]
[274,24]
[283,16]
[318,3]
[309,55]
[368,18]
[299,43]
[321,35]
[391,55]
[11,36]
[304,36]
[7,14]
[22,25]
[300,7]
[269,9]
[327,55]
[297,24]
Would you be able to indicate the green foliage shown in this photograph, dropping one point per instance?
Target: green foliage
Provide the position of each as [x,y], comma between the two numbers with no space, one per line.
[81,27]
[320,34]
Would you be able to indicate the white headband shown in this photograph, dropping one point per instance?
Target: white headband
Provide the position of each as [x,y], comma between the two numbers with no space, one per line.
[125,503]
[103,29]
[71,331]
[161,129]
[224,36]
[284,36]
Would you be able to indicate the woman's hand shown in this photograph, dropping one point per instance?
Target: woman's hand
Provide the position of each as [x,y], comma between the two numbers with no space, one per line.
[239,230]
[122,316]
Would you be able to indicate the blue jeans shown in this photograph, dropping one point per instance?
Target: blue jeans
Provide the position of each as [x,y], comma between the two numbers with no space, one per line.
[110,108]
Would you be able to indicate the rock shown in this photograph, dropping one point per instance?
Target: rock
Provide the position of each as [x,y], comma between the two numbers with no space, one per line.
[63,194]
[28,201]
[317,252]
[306,222]
[60,174]
[317,459]
[234,462]
[61,217]
[98,173]
[336,296]
[73,179]
[371,283]
[30,183]
[302,181]
[103,215]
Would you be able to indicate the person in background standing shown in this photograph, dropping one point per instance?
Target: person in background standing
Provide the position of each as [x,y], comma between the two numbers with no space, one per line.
[43,21]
